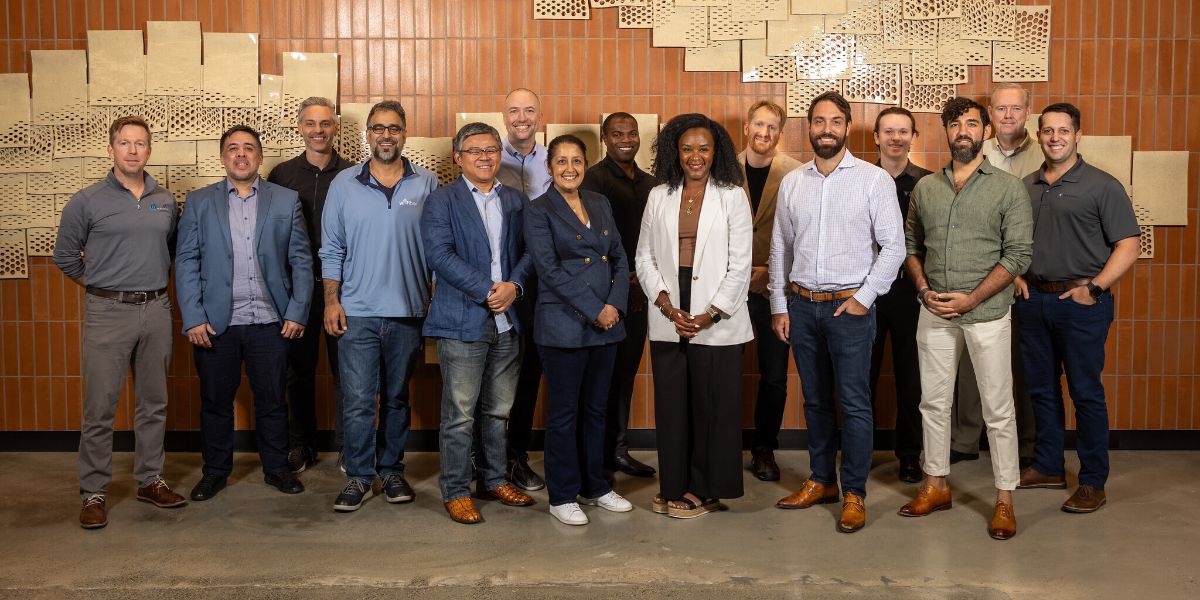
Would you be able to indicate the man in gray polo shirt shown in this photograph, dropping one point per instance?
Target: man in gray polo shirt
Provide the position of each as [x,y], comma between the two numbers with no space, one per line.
[115,240]
[1085,237]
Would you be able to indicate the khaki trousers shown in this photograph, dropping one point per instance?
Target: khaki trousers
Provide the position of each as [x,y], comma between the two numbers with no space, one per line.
[116,337]
[940,344]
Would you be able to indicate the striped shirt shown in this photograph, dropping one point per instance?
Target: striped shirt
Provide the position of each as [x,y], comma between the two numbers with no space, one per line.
[836,232]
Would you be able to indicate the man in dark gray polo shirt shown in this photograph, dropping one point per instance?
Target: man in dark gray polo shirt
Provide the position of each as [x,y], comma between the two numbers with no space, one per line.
[1085,237]
[115,239]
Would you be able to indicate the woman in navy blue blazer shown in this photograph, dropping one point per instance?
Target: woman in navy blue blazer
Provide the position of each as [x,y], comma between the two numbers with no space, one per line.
[583,283]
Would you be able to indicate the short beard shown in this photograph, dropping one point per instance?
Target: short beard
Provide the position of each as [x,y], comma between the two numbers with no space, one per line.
[827,153]
[965,155]
[387,160]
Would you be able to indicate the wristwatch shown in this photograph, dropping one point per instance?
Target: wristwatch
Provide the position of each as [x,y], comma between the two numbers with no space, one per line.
[921,296]
[1094,290]
[715,315]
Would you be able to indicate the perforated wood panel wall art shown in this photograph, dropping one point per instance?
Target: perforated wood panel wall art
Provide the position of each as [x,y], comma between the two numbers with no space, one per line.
[856,41]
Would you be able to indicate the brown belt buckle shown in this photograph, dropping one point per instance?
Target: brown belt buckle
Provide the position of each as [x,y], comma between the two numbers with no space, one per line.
[142,297]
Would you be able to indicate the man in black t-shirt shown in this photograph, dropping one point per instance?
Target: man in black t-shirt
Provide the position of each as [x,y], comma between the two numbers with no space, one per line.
[626,186]
[765,167]
[1085,237]
[895,131]
[310,174]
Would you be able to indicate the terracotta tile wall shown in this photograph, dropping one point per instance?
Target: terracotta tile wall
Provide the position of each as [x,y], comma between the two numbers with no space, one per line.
[1132,66]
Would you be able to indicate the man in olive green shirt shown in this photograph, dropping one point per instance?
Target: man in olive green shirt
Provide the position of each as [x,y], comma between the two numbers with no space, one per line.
[969,234]
[1015,152]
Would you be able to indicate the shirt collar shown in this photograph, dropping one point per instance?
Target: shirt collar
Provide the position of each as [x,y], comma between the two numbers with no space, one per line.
[848,160]
[231,189]
[364,172]
[496,185]
[1073,175]
[616,169]
[330,166]
[1022,147]
[910,169]
[512,151]
[150,182]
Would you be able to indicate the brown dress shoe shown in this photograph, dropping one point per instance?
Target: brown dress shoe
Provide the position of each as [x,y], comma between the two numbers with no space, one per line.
[1004,522]
[1086,499]
[1032,479]
[93,515]
[812,493]
[463,510]
[158,494]
[929,499]
[509,495]
[854,514]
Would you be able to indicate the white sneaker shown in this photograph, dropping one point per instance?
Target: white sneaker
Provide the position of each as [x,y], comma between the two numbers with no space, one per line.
[569,514]
[610,501]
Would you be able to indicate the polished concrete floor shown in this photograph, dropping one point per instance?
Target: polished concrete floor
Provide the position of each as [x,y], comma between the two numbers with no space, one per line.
[253,542]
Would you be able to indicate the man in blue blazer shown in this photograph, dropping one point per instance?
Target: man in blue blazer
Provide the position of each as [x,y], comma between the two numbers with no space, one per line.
[472,233]
[243,280]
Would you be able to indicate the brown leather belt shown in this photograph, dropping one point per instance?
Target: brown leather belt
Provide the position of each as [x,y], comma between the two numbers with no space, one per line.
[821,296]
[1057,287]
[126,297]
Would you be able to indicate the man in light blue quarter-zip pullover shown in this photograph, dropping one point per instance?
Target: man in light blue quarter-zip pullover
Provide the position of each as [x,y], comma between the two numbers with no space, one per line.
[376,293]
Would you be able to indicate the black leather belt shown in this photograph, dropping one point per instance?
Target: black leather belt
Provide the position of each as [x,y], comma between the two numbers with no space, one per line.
[126,297]
[1056,287]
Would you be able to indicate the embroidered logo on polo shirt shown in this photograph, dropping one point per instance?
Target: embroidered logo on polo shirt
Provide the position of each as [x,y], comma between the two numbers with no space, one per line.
[406,202]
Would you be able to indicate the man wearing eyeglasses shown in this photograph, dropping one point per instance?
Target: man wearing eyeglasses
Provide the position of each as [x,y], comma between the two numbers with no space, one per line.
[376,292]
[523,168]
[472,235]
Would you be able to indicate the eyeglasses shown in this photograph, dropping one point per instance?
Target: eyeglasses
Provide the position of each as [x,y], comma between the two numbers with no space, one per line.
[477,152]
[392,129]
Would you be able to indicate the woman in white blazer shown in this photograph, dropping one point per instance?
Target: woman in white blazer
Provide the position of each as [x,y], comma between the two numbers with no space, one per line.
[693,261]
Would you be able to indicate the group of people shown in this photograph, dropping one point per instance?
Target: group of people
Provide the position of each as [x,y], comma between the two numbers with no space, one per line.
[534,261]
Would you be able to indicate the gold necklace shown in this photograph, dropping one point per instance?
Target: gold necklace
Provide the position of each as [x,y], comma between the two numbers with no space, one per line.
[692,201]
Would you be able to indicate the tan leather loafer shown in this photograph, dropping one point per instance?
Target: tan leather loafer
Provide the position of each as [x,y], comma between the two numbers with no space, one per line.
[811,493]
[854,514]
[929,499]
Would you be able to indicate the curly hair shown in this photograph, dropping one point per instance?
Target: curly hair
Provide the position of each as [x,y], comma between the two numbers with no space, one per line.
[725,169]
[959,106]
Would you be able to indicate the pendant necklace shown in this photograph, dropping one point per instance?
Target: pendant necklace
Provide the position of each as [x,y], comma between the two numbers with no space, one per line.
[692,201]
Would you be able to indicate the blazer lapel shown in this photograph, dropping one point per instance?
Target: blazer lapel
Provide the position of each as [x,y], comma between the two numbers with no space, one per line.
[670,217]
[263,200]
[221,210]
[710,212]
[563,211]
[766,206]
[470,213]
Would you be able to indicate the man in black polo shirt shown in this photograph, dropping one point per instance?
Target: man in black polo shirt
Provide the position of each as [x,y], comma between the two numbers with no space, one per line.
[626,187]
[309,174]
[1085,237]
[895,131]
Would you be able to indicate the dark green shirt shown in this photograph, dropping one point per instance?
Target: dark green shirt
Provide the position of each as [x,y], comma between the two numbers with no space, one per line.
[963,235]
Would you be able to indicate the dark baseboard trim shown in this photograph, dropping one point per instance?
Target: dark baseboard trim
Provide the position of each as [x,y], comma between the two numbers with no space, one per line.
[425,440]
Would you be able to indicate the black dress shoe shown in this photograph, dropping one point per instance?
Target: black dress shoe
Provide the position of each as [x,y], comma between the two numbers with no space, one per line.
[523,476]
[632,466]
[763,465]
[910,469]
[301,458]
[957,457]
[284,481]
[208,487]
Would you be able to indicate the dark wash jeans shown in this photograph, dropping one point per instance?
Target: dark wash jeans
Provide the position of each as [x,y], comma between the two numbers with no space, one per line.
[835,353]
[1060,336]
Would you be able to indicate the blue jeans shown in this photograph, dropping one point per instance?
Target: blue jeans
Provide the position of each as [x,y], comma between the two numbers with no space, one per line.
[1062,335]
[835,351]
[376,355]
[479,381]
[577,381]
